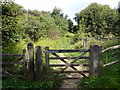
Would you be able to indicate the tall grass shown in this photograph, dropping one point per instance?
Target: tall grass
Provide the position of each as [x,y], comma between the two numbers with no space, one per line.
[110,76]
[104,43]
[61,43]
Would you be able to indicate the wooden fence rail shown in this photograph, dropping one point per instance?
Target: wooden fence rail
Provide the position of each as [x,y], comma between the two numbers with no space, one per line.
[6,69]
[111,48]
[108,49]
[27,64]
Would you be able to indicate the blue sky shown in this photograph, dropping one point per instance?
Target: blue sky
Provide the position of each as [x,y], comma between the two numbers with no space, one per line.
[69,7]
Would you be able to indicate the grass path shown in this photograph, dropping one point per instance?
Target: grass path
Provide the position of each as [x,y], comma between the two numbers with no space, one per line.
[70,83]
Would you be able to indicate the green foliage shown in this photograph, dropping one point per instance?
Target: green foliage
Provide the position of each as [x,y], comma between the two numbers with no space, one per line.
[71,35]
[97,19]
[70,26]
[17,83]
[60,43]
[109,77]
[11,32]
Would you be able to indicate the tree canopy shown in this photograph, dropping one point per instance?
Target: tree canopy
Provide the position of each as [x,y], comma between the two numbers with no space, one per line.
[98,19]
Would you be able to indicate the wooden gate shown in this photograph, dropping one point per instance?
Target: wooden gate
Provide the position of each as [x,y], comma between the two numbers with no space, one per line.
[66,63]
[92,56]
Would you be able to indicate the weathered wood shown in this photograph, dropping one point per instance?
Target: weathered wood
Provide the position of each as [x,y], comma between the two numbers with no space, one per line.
[12,55]
[59,78]
[25,63]
[111,63]
[61,65]
[67,64]
[64,77]
[31,72]
[12,62]
[47,57]
[85,71]
[68,57]
[67,50]
[60,58]
[111,48]
[38,63]
[95,60]
[13,69]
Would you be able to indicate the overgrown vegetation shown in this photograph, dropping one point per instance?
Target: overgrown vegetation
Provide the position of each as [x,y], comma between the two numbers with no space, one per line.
[109,76]
[54,29]
[16,83]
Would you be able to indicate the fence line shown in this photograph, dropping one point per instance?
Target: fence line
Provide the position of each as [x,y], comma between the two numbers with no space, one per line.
[111,48]
[111,63]
[34,69]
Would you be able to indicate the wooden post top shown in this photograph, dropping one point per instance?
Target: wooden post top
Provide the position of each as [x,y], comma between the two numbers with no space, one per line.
[30,45]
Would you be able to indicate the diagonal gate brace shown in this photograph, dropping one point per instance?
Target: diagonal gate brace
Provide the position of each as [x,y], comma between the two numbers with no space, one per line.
[71,64]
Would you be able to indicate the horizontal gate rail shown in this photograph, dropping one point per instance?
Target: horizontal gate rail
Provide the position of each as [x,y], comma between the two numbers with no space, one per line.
[68,58]
[85,71]
[61,65]
[67,50]
[13,69]
[12,62]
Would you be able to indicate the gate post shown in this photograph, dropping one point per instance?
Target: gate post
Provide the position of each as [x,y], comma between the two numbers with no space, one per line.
[47,57]
[31,72]
[95,60]
[38,62]
[24,59]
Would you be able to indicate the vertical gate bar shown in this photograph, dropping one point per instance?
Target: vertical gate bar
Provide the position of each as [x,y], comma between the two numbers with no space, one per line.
[31,72]
[38,63]
[47,57]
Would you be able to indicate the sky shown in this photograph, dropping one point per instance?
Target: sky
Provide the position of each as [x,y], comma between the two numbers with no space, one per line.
[69,7]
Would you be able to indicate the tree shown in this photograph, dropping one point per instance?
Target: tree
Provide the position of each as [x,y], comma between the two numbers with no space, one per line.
[56,11]
[97,19]
[10,29]
[70,26]
[119,6]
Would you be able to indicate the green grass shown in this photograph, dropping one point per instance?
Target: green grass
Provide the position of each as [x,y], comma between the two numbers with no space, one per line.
[17,83]
[61,43]
[109,77]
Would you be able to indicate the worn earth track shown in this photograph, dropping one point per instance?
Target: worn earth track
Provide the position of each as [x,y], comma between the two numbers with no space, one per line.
[71,83]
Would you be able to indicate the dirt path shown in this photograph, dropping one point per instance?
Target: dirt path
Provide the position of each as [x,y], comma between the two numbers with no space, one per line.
[70,83]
